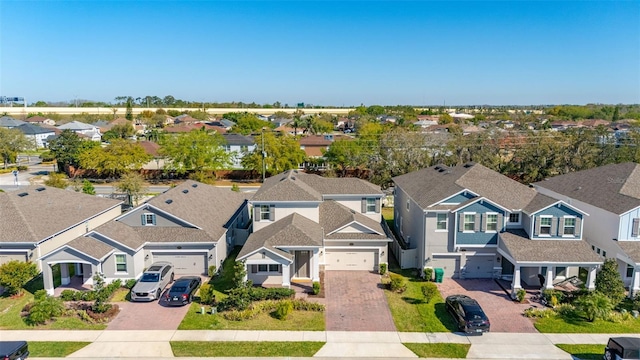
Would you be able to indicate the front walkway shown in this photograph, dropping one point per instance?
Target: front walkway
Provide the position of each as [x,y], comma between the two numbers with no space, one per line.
[355,301]
[505,314]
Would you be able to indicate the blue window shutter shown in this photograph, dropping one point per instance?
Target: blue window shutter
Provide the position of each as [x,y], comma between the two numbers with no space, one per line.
[142,219]
[153,217]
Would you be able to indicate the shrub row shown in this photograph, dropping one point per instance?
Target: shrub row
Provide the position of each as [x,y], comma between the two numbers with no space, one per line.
[260,307]
[259,294]
[72,295]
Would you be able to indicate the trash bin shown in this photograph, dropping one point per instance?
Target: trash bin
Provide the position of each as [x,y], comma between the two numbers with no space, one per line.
[439,274]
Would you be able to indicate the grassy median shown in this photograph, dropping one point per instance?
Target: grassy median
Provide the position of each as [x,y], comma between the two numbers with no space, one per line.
[245,348]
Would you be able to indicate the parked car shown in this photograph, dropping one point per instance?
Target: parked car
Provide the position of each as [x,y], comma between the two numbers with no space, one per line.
[468,314]
[14,350]
[182,290]
[150,285]
[622,348]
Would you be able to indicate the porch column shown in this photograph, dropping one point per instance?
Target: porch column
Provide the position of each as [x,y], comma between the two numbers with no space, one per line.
[515,284]
[246,272]
[78,268]
[634,287]
[47,277]
[315,266]
[548,280]
[286,276]
[591,278]
[64,274]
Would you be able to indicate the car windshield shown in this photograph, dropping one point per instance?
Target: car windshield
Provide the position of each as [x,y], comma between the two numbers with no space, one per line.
[179,289]
[150,278]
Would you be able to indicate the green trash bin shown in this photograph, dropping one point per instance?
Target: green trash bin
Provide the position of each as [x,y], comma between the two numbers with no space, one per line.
[439,274]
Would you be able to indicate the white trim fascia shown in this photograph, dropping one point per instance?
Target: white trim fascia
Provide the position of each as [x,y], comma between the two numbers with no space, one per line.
[479,199]
[63,247]
[268,202]
[178,251]
[439,202]
[107,237]
[169,215]
[77,224]
[624,213]
[353,222]
[327,248]
[324,196]
[265,249]
[554,204]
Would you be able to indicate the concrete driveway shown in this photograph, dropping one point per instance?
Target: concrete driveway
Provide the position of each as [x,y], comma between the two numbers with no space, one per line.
[355,301]
[505,314]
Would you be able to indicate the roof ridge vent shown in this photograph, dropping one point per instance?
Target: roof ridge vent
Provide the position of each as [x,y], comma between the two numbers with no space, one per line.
[23,194]
[469,164]
[168,201]
[195,185]
[185,191]
[41,188]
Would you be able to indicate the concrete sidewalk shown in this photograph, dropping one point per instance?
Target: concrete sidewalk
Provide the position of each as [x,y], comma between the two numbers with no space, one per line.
[109,344]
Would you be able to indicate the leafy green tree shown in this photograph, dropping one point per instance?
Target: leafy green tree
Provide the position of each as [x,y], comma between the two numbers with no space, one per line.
[344,155]
[100,304]
[66,148]
[14,275]
[58,180]
[117,158]
[44,308]
[12,141]
[197,150]
[609,282]
[119,131]
[445,119]
[246,123]
[282,153]
[129,113]
[132,184]
[87,187]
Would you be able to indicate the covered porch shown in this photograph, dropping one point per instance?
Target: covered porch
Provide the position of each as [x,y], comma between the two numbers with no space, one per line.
[276,267]
[545,263]
[629,265]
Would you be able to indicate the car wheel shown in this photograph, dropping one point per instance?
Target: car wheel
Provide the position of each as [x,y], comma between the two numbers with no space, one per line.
[172,276]
[190,299]
[158,293]
[608,355]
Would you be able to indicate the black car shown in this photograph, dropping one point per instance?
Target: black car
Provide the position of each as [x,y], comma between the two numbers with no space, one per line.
[468,314]
[14,350]
[182,290]
[622,348]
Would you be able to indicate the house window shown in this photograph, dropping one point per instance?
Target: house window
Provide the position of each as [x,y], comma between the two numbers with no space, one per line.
[561,271]
[545,226]
[441,220]
[407,205]
[629,271]
[604,253]
[569,226]
[492,222]
[371,205]
[121,263]
[514,218]
[598,251]
[148,219]
[469,222]
[265,212]
[274,268]
[263,268]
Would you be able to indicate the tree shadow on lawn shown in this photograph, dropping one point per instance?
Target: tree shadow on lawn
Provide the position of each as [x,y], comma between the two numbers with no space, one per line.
[445,318]
[413,301]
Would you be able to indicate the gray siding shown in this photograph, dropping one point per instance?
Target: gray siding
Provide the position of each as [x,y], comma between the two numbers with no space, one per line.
[134,218]
[479,237]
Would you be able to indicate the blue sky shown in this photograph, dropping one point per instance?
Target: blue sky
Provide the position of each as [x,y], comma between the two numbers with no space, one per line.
[327,53]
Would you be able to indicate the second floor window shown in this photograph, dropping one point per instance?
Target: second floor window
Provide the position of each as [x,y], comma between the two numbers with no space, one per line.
[569,226]
[371,205]
[265,212]
[148,219]
[545,226]
[514,218]
[469,222]
[441,221]
[492,222]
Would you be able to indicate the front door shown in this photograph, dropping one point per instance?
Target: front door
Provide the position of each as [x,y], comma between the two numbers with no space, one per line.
[302,263]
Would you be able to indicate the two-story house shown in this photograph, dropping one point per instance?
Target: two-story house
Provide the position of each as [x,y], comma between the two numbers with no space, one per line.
[476,223]
[238,146]
[611,195]
[92,132]
[303,221]
[37,134]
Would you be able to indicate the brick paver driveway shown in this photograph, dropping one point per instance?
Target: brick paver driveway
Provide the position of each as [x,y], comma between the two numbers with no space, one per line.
[356,302]
[148,316]
[505,315]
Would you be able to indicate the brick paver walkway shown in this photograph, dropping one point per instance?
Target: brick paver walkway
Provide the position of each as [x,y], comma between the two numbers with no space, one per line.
[505,315]
[356,302]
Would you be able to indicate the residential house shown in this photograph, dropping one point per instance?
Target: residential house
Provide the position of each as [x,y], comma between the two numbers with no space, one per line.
[476,223]
[182,128]
[193,226]
[153,149]
[302,222]
[9,122]
[38,220]
[92,132]
[610,194]
[238,145]
[36,133]
[40,120]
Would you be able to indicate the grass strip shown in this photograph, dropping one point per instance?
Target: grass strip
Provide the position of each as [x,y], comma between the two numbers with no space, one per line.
[439,350]
[54,348]
[245,348]
[584,351]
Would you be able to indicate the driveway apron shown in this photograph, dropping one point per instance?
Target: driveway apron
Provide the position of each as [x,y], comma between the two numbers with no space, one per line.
[505,314]
[356,302]
[148,316]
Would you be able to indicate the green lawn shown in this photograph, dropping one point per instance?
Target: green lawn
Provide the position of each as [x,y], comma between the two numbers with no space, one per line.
[121,295]
[410,312]
[54,348]
[557,324]
[439,350]
[245,349]
[584,351]
[297,320]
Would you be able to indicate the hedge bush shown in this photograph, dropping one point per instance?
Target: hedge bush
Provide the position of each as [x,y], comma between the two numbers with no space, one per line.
[398,283]
[429,290]
[207,296]
[316,288]
[259,293]
[383,269]
[129,284]
[44,308]
[283,310]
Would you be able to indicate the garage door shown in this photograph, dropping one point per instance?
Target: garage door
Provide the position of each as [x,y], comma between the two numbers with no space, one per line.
[351,260]
[450,264]
[5,257]
[479,267]
[184,263]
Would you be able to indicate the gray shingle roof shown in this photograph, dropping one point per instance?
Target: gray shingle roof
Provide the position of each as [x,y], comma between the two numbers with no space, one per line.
[294,185]
[430,185]
[615,187]
[30,129]
[122,233]
[9,122]
[205,206]
[90,246]
[40,214]
[238,139]
[293,230]
[334,215]
[632,249]
[523,249]
[539,202]
[76,125]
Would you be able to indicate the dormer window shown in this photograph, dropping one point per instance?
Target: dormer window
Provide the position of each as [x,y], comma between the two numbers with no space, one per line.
[148,219]
[514,218]
[569,227]
[492,222]
[545,225]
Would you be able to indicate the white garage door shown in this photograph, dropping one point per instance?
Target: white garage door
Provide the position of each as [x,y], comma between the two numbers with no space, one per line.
[351,260]
[450,264]
[184,263]
[5,257]
[479,267]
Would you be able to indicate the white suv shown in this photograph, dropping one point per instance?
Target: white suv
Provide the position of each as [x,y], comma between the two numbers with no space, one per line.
[150,285]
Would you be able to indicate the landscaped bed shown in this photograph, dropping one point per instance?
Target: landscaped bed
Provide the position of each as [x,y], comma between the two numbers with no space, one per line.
[245,348]
[439,350]
[54,348]
[584,351]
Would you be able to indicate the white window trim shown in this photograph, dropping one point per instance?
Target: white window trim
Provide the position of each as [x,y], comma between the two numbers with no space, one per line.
[446,223]
[258,272]
[574,226]
[268,213]
[519,218]
[115,263]
[464,222]
[540,234]
[146,220]
[366,206]
[487,222]
[408,204]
